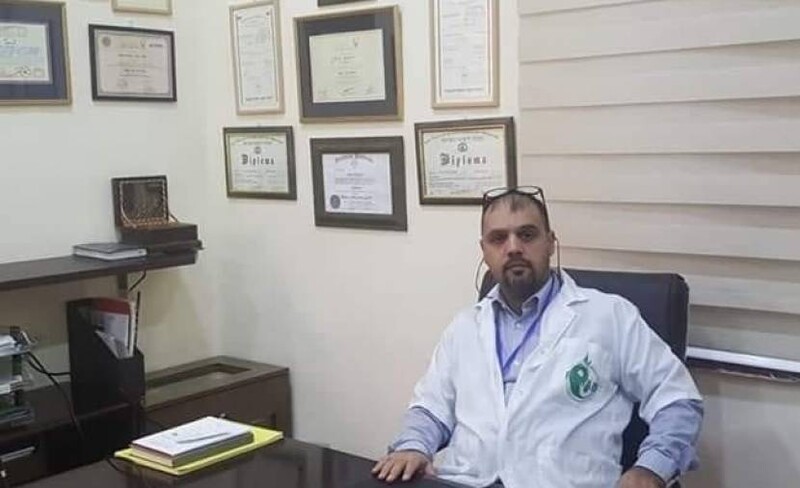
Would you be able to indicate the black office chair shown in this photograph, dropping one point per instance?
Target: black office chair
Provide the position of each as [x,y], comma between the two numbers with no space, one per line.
[662,299]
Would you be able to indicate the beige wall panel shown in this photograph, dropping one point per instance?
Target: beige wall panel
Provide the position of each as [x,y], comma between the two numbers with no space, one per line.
[527,7]
[716,127]
[590,33]
[552,90]
[665,187]
[770,234]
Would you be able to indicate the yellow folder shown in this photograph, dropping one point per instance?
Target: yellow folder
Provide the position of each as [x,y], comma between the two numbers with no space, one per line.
[261,437]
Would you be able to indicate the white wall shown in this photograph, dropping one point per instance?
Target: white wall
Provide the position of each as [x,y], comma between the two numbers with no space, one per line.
[665,135]
[55,191]
[354,314]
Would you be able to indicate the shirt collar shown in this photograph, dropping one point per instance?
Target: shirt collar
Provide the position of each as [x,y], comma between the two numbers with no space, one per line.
[533,301]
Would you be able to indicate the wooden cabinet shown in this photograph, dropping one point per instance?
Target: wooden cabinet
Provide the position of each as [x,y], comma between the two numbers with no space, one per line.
[246,391]
[51,443]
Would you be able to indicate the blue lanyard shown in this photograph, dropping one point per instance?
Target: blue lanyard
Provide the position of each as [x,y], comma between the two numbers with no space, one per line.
[504,367]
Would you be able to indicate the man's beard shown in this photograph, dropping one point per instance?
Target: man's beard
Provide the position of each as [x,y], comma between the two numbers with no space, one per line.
[520,279]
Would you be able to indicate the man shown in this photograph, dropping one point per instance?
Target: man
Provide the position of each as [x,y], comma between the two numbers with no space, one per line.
[533,385]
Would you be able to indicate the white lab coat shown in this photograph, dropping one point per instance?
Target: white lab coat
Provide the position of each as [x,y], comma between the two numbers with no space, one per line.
[552,433]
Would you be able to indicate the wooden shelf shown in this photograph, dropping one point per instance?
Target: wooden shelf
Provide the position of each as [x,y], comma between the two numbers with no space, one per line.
[51,412]
[26,274]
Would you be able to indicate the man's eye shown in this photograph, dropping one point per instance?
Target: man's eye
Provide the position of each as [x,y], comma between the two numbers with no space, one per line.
[526,235]
[497,237]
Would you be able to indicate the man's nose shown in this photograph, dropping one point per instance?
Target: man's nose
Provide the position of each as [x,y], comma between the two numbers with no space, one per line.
[513,245]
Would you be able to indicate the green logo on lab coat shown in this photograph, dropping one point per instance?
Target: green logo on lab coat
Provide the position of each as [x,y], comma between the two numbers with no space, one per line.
[582,380]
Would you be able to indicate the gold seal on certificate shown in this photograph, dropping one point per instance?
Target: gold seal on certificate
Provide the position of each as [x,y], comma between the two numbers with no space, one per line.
[458,161]
[132,64]
[259,162]
[359,182]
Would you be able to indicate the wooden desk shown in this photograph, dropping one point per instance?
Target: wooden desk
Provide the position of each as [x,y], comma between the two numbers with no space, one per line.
[286,464]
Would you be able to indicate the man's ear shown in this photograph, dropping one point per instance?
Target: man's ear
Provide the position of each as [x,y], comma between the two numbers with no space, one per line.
[551,237]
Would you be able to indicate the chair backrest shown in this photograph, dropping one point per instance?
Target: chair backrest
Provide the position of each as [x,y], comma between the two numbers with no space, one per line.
[662,299]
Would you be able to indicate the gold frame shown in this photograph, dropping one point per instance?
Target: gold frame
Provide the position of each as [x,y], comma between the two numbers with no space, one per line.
[277,42]
[302,80]
[291,171]
[67,100]
[142,10]
[494,62]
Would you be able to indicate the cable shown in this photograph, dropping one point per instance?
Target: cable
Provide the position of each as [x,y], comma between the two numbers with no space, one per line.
[477,275]
[37,366]
[138,282]
[64,395]
[51,376]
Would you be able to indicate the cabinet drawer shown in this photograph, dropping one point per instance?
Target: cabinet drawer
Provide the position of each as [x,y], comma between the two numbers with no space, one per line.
[264,401]
[24,461]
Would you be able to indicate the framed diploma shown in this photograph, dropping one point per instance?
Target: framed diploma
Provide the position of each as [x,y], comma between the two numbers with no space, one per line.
[359,183]
[350,65]
[465,61]
[132,64]
[34,62]
[257,65]
[259,162]
[163,7]
[457,161]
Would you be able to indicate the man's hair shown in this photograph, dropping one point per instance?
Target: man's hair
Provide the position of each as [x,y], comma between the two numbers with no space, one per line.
[516,202]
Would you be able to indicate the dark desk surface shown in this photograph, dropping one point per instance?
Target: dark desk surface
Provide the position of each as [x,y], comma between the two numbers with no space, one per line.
[289,463]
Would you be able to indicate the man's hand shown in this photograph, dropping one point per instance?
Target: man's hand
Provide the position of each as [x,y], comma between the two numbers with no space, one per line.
[638,477]
[402,465]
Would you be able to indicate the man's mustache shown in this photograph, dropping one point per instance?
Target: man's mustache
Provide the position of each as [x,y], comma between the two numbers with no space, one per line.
[517,262]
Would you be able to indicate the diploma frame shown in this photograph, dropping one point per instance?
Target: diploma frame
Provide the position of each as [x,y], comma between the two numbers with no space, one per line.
[57,90]
[291,179]
[278,107]
[387,19]
[360,145]
[169,36]
[475,125]
[493,99]
[144,8]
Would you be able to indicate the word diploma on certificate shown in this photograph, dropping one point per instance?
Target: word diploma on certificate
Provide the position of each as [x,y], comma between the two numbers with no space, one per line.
[357,183]
[464,164]
[24,53]
[259,163]
[347,67]
[133,64]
